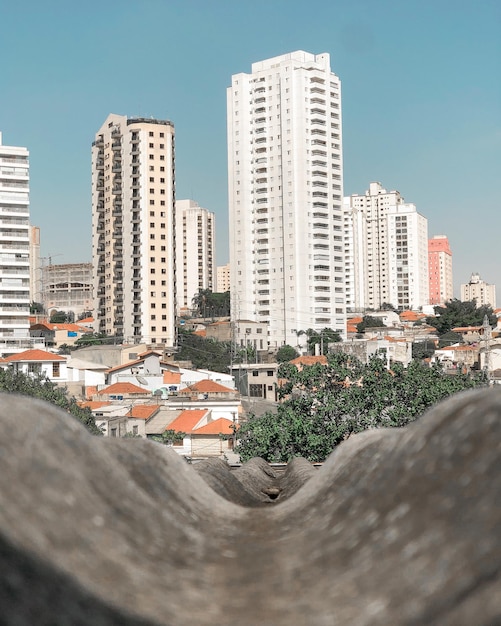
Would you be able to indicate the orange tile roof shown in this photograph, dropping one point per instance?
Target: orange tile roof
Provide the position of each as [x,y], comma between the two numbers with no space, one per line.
[221,426]
[411,316]
[86,320]
[460,348]
[143,411]
[186,421]
[123,388]
[172,377]
[35,355]
[466,329]
[90,390]
[310,360]
[75,328]
[206,386]
[93,404]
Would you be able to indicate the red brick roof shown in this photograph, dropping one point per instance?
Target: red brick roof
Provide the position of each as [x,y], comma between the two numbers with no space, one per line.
[186,421]
[206,386]
[123,388]
[466,329]
[143,411]
[93,404]
[35,355]
[221,426]
[310,360]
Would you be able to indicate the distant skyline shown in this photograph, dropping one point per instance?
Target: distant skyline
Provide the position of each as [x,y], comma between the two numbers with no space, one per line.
[421,85]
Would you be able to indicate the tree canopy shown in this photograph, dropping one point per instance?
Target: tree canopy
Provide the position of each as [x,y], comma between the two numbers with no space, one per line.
[322,338]
[44,389]
[204,353]
[369,322]
[323,405]
[286,353]
[456,314]
[207,303]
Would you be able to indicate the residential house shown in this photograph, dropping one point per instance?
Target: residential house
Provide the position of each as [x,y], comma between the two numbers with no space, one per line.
[203,435]
[124,392]
[209,395]
[40,362]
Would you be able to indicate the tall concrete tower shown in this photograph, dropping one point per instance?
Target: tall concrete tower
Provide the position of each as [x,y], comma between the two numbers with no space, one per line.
[133,229]
[285,196]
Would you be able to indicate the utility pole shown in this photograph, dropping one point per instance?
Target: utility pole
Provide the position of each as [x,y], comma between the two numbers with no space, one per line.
[487,339]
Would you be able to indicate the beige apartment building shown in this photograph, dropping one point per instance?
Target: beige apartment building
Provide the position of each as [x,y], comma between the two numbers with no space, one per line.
[480,291]
[133,229]
[223,278]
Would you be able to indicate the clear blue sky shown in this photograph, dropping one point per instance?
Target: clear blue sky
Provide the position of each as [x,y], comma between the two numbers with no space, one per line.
[421,101]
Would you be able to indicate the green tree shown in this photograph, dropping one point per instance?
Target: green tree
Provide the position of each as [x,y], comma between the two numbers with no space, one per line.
[169,437]
[323,405]
[207,303]
[42,388]
[36,307]
[368,322]
[286,353]
[449,338]
[61,317]
[204,353]
[322,338]
[423,349]
[456,313]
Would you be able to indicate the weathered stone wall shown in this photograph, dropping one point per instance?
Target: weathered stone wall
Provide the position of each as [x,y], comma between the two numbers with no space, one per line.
[397,527]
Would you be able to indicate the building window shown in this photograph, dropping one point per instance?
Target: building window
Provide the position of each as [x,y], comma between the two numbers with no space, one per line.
[56,369]
[135,430]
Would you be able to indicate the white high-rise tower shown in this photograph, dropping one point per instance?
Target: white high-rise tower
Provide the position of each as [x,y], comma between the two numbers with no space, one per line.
[386,251]
[14,248]
[285,196]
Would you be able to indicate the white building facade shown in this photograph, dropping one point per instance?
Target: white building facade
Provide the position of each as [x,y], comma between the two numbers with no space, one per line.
[386,250]
[285,196]
[14,248]
[195,245]
[133,229]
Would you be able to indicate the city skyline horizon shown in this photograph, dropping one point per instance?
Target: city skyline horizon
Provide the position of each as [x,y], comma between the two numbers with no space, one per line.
[429,121]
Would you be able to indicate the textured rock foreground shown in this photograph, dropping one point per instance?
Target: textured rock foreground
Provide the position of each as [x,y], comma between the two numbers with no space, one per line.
[398,527]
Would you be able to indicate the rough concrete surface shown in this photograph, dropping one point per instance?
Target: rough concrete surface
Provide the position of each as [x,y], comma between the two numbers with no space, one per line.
[398,527]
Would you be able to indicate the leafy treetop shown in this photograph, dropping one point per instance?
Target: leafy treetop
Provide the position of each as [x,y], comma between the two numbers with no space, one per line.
[323,405]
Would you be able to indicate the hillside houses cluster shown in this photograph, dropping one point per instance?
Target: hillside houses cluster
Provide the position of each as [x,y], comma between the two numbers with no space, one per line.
[139,390]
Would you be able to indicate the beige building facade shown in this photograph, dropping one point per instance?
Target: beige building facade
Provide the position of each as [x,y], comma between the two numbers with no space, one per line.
[480,291]
[223,278]
[133,229]
[68,287]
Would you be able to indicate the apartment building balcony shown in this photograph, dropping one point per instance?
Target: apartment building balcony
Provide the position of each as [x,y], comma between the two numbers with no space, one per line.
[320,194]
[116,145]
[116,167]
[135,151]
[99,142]
[117,190]
[100,164]
[317,111]
[100,184]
